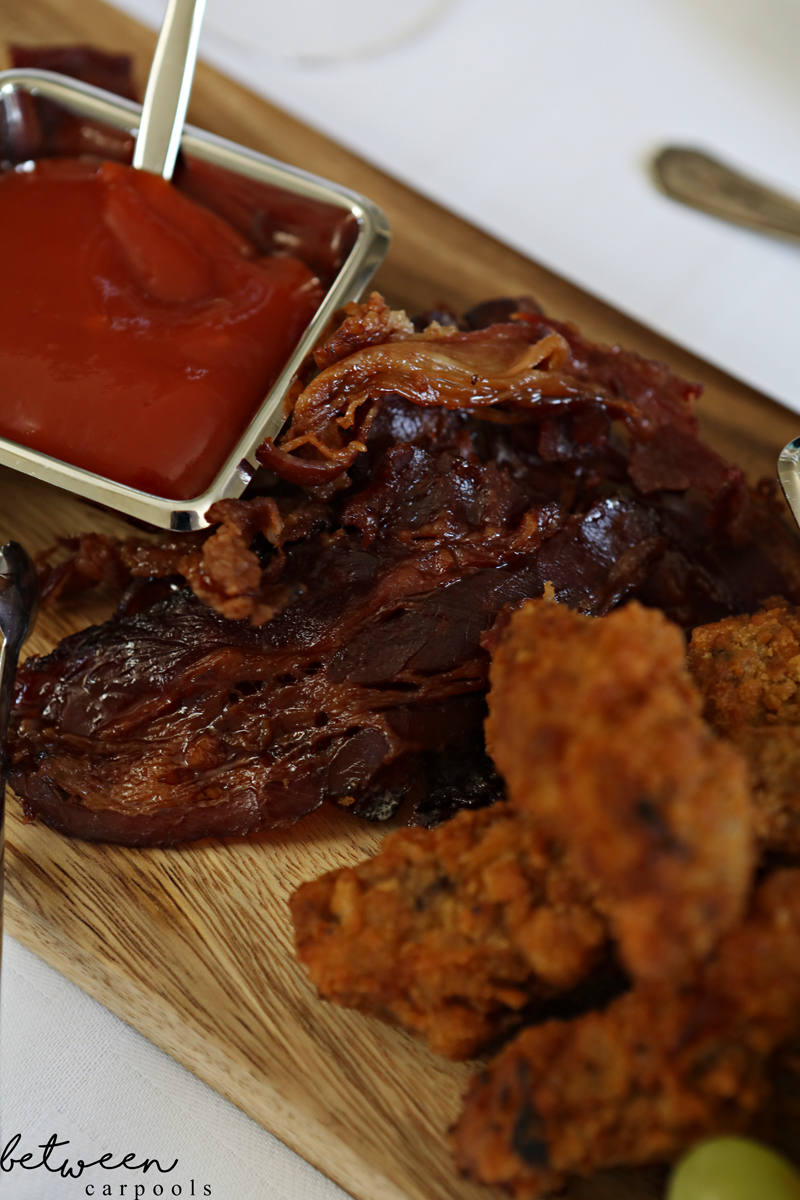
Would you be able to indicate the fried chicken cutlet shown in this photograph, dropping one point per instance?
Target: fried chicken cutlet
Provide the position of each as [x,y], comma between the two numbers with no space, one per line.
[450,932]
[623,804]
[748,669]
[597,728]
[645,1079]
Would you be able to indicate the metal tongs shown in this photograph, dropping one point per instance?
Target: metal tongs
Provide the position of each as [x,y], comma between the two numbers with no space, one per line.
[19,605]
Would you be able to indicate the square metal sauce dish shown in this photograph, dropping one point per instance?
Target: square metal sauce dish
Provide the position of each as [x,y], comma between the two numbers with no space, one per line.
[341,235]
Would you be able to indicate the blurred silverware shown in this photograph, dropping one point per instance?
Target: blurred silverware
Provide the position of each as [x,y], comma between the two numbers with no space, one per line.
[703,182]
[19,605]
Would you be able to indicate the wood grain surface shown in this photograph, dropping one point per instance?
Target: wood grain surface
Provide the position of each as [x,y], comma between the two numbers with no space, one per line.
[192,945]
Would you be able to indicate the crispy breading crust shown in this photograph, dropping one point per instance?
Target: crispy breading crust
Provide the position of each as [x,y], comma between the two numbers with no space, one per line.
[596,726]
[643,1080]
[622,802]
[748,669]
[450,932]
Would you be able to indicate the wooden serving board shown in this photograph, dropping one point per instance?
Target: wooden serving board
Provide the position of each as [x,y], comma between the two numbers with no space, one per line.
[192,945]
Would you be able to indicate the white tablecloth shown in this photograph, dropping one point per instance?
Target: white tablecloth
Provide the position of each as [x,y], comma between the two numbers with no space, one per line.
[72,1068]
[536,121]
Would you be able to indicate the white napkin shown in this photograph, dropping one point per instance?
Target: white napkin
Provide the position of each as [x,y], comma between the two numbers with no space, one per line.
[71,1068]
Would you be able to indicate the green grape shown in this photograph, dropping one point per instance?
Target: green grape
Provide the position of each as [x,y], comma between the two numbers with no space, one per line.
[733,1168]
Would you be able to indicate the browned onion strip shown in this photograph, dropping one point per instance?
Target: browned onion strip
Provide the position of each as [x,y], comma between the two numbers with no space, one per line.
[474,371]
[305,472]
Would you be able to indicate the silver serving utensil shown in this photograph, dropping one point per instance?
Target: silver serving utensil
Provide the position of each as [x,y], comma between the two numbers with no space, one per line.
[789,476]
[703,182]
[19,604]
[168,88]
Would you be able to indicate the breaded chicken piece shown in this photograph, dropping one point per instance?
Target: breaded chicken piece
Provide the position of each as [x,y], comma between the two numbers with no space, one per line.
[748,669]
[596,726]
[645,1079]
[450,932]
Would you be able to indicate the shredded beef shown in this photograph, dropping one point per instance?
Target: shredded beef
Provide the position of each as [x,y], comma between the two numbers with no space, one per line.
[327,639]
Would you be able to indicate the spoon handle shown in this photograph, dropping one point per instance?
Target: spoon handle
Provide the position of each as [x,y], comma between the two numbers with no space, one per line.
[704,182]
[168,88]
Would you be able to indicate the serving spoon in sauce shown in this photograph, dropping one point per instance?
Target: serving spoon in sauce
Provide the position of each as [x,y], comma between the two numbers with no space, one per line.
[154,390]
[168,88]
[19,605]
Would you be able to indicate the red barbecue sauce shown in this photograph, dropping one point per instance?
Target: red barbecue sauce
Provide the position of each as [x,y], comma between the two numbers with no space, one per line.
[138,331]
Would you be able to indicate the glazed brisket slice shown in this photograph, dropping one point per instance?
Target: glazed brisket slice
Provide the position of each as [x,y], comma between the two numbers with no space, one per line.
[175,723]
